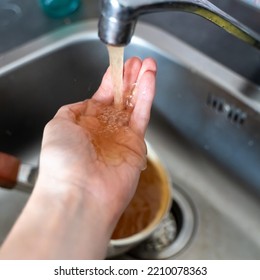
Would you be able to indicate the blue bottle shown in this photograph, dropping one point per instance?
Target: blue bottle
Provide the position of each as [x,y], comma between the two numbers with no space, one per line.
[59,8]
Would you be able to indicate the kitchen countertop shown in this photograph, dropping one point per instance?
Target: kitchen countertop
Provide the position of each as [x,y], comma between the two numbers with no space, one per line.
[23,20]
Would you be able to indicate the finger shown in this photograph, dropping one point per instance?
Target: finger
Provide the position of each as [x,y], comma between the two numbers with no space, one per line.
[105,92]
[144,95]
[131,71]
[148,64]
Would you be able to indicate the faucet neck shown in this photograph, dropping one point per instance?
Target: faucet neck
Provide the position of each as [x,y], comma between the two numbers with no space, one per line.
[118,18]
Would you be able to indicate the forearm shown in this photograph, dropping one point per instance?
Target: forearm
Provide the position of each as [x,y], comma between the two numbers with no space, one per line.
[58,225]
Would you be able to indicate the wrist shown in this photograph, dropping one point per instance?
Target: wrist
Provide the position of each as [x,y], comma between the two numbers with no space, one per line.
[58,224]
[70,193]
[76,216]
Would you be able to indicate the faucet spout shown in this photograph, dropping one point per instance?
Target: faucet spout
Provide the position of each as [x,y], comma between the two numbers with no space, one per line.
[118,18]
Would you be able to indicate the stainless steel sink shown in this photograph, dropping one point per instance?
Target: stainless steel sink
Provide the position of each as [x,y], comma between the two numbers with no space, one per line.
[205,126]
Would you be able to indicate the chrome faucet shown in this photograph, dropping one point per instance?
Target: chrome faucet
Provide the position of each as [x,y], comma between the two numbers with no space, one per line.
[118,18]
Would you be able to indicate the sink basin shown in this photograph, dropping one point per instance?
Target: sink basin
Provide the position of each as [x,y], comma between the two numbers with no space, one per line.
[205,126]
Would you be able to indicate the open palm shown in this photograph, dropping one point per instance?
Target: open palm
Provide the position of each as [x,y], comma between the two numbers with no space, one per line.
[106,173]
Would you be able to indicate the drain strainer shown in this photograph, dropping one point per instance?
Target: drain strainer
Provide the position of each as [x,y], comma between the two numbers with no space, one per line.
[173,234]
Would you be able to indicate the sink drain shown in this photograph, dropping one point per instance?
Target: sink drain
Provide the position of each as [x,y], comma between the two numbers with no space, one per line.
[173,234]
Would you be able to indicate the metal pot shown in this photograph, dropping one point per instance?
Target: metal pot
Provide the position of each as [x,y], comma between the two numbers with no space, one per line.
[120,246]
